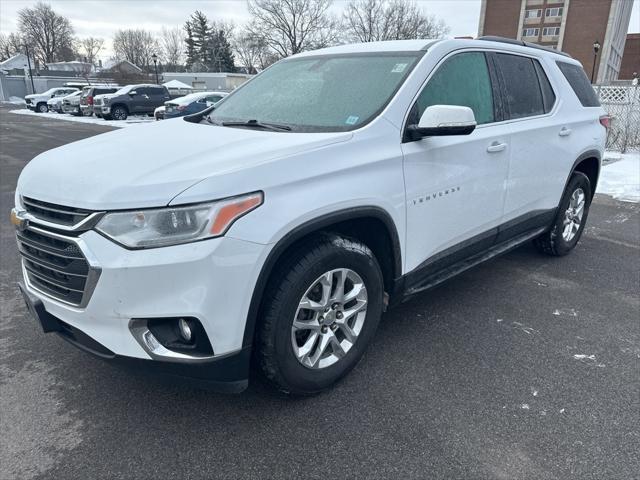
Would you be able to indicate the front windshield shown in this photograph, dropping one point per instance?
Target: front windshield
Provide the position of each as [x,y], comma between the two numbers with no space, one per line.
[319,93]
[124,90]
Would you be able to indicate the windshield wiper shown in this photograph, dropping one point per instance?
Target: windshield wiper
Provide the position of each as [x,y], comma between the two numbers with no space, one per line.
[257,124]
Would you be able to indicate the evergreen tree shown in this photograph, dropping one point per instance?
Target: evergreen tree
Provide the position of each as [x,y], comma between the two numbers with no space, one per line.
[201,37]
[189,42]
[223,54]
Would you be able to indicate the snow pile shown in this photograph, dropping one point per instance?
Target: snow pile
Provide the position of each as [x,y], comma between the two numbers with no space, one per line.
[15,101]
[133,120]
[620,176]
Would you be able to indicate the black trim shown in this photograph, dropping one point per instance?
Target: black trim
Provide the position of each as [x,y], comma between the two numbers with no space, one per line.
[476,250]
[584,156]
[300,232]
[414,131]
[496,87]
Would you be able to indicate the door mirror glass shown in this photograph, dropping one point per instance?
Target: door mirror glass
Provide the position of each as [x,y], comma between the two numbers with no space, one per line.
[439,120]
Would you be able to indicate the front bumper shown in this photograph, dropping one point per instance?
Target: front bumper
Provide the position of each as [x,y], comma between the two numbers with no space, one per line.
[211,281]
[224,373]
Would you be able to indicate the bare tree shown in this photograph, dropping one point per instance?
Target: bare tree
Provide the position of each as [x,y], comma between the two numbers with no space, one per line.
[49,35]
[292,26]
[89,48]
[172,46]
[10,45]
[249,51]
[375,20]
[135,45]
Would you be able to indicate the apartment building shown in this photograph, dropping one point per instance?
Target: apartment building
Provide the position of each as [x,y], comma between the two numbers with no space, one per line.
[572,26]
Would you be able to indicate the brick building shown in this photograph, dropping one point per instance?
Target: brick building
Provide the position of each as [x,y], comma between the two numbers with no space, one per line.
[631,57]
[568,25]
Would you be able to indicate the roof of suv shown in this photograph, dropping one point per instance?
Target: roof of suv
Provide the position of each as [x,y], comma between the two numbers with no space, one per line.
[421,45]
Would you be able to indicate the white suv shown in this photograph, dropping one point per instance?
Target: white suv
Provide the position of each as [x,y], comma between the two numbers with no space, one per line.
[280,224]
[38,101]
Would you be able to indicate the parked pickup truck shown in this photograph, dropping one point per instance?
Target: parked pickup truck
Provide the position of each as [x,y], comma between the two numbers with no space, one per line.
[38,101]
[279,224]
[133,100]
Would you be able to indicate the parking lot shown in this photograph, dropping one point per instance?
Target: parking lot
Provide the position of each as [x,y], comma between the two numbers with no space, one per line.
[526,367]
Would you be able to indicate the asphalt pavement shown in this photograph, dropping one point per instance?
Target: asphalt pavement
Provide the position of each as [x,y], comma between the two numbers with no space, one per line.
[526,367]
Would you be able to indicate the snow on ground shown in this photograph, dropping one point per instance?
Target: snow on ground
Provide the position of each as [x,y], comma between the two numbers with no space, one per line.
[133,120]
[620,176]
[14,101]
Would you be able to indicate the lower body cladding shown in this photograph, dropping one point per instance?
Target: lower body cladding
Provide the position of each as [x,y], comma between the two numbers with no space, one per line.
[179,311]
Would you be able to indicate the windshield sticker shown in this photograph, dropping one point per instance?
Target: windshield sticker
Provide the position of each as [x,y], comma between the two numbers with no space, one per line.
[352,120]
[399,68]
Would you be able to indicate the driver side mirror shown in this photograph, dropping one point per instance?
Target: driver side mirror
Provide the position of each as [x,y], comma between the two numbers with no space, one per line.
[444,120]
[132,93]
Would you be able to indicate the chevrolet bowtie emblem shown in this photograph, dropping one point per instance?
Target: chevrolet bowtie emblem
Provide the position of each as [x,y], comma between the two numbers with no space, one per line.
[18,221]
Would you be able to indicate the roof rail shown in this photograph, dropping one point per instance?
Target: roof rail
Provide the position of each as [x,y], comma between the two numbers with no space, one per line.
[493,38]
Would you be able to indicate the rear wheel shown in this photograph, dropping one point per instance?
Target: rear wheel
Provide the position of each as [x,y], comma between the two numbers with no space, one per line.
[42,107]
[570,220]
[323,309]
[119,113]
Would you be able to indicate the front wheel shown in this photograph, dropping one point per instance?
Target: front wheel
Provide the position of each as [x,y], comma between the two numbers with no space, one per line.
[119,113]
[570,220]
[42,108]
[323,308]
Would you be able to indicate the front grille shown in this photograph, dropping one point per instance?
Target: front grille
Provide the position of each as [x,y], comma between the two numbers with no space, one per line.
[54,265]
[50,212]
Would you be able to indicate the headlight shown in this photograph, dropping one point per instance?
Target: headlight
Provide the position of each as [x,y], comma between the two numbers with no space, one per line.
[174,225]
[105,101]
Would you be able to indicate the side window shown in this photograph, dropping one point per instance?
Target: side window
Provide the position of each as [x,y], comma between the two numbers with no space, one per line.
[461,80]
[548,96]
[213,98]
[580,84]
[521,90]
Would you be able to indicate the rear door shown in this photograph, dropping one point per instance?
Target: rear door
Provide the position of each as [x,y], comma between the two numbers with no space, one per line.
[455,184]
[540,144]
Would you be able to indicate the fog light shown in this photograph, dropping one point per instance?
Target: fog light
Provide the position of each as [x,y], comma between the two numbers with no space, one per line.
[185,330]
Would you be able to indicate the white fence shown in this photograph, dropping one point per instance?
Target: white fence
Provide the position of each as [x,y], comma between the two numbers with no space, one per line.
[622,103]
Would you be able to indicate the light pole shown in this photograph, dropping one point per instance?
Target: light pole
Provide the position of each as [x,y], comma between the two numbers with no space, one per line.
[154,57]
[596,49]
[33,89]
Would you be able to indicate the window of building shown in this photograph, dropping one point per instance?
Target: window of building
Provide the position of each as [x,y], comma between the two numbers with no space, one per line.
[579,83]
[554,12]
[550,31]
[461,80]
[530,32]
[535,13]
[521,89]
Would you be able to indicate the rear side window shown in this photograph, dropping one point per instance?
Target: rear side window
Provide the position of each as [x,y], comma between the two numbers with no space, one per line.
[579,83]
[521,90]
[461,80]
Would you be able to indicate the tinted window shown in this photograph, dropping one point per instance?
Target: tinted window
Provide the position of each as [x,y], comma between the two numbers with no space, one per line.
[548,97]
[213,99]
[461,80]
[521,90]
[580,84]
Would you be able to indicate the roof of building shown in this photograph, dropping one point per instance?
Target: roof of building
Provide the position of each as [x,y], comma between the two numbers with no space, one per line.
[177,84]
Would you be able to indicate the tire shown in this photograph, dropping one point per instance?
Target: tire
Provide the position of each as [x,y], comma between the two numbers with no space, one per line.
[329,256]
[106,117]
[119,112]
[570,220]
[42,107]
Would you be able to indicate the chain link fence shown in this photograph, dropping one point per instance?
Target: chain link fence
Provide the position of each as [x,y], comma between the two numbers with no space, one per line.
[622,103]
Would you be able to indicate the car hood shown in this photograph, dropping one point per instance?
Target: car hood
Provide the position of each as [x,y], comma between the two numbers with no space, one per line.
[148,165]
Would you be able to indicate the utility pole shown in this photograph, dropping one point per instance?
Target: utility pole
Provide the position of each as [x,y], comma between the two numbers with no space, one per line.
[33,88]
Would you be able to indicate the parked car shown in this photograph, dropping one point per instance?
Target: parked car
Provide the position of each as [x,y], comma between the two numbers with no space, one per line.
[282,223]
[87,98]
[133,100]
[71,103]
[55,104]
[192,103]
[38,101]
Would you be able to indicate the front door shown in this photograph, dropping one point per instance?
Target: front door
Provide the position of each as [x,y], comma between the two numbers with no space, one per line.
[455,185]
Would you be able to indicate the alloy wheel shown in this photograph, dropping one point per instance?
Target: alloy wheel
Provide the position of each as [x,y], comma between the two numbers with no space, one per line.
[573,215]
[329,318]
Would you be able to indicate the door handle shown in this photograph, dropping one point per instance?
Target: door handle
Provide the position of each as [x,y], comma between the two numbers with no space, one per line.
[565,132]
[496,147]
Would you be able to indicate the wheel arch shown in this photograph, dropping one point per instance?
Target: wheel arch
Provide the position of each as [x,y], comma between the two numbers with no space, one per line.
[353,222]
[119,104]
[588,163]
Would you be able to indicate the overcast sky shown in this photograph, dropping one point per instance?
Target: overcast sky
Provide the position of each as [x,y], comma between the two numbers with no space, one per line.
[103,17]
